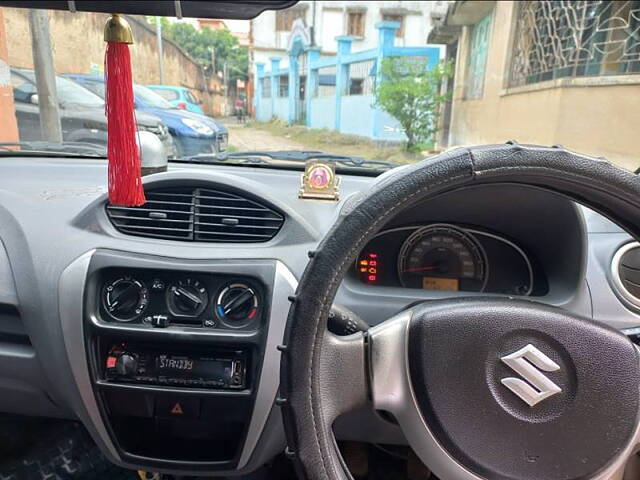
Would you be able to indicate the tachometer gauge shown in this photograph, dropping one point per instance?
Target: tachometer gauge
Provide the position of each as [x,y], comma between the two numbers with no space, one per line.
[442,257]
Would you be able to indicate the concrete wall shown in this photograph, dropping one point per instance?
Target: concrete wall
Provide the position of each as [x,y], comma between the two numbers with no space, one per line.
[323,112]
[356,116]
[78,46]
[597,116]
[390,128]
[8,123]
[280,107]
[266,113]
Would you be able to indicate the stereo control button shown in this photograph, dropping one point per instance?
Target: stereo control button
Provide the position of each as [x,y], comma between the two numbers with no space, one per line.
[160,321]
[126,364]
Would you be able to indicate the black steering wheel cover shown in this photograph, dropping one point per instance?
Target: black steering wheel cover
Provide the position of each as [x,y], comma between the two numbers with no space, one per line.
[613,192]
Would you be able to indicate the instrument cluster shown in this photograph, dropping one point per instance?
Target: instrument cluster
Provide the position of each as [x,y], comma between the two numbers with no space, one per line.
[450,257]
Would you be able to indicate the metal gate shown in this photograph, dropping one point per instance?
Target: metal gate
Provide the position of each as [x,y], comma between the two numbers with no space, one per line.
[301,94]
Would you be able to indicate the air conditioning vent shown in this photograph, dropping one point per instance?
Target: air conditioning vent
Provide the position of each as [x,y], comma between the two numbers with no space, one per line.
[198,215]
[625,271]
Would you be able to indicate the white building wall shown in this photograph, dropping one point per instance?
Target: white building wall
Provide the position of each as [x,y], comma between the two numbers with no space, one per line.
[331,21]
[332,24]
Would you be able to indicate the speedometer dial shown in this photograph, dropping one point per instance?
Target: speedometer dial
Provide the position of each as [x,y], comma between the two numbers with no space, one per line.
[442,257]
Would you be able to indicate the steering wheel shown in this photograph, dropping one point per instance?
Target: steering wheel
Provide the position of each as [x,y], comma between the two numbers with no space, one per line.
[493,388]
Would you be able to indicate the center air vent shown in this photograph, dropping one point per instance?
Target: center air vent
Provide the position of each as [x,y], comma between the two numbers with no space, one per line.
[625,272]
[197,215]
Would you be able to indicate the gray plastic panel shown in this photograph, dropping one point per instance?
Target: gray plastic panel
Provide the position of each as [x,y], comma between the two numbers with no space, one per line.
[21,383]
[8,294]
[52,213]
[281,283]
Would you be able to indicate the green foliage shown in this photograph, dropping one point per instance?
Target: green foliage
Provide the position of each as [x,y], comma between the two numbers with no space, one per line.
[410,93]
[199,44]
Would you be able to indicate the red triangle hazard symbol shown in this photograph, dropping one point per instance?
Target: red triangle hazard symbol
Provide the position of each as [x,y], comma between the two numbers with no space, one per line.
[177,409]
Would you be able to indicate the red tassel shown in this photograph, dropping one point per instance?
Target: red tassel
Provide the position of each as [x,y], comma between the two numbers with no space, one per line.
[125,180]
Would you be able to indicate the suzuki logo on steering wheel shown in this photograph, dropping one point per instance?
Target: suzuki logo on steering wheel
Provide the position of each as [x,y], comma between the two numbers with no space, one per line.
[527,362]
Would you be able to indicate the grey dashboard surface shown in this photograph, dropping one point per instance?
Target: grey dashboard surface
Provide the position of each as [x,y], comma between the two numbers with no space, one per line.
[52,212]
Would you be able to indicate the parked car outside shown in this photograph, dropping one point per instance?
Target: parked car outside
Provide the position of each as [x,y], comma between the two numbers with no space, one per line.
[180,97]
[192,133]
[82,114]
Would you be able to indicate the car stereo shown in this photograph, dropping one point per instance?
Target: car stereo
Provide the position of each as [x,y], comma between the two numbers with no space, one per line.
[217,369]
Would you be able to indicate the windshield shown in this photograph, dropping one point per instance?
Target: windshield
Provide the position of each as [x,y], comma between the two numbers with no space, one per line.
[150,98]
[69,92]
[372,85]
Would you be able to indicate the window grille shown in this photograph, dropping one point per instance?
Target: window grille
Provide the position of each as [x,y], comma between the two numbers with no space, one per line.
[355,23]
[285,18]
[283,86]
[361,78]
[326,82]
[396,18]
[557,39]
[266,87]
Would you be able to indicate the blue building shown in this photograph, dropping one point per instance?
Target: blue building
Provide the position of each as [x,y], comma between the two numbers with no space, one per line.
[337,92]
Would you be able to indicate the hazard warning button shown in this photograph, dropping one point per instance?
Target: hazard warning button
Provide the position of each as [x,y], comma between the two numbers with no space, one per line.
[176,406]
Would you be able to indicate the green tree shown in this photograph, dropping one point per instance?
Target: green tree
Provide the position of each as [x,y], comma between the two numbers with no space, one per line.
[200,44]
[410,93]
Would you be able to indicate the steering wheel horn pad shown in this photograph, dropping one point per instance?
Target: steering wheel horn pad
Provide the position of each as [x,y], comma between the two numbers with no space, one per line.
[455,358]
[481,388]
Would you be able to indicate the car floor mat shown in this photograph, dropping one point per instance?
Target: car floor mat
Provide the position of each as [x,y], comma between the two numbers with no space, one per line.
[62,451]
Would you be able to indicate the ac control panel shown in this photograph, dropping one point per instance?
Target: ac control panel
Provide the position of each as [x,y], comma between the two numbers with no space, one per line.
[160,298]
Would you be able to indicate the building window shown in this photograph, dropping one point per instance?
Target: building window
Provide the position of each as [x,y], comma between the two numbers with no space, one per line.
[285,18]
[559,39]
[266,87]
[361,78]
[356,86]
[283,86]
[326,83]
[355,23]
[477,58]
[396,18]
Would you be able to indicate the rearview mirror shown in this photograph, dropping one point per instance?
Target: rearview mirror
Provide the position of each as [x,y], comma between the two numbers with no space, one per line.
[152,152]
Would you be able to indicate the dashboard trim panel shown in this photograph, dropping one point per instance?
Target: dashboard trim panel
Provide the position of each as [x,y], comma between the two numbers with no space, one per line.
[72,313]
[73,281]
[284,285]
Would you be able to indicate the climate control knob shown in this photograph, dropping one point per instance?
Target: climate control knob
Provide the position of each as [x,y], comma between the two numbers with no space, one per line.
[237,304]
[125,299]
[187,298]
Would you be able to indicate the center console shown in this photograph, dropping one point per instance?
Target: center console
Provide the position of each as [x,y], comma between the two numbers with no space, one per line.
[182,357]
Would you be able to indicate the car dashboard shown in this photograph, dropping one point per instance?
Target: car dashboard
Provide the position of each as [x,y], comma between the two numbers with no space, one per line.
[159,327]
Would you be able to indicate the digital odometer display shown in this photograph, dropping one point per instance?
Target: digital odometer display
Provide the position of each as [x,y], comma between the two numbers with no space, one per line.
[442,257]
[193,367]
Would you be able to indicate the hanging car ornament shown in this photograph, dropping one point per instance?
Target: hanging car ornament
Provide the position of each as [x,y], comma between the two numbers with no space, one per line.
[125,181]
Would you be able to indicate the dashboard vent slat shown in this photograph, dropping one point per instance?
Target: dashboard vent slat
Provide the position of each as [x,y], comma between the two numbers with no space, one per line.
[198,214]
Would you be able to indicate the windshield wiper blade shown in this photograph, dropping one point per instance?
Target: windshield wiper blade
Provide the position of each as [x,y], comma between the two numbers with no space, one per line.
[217,158]
[40,146]
[305,155]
